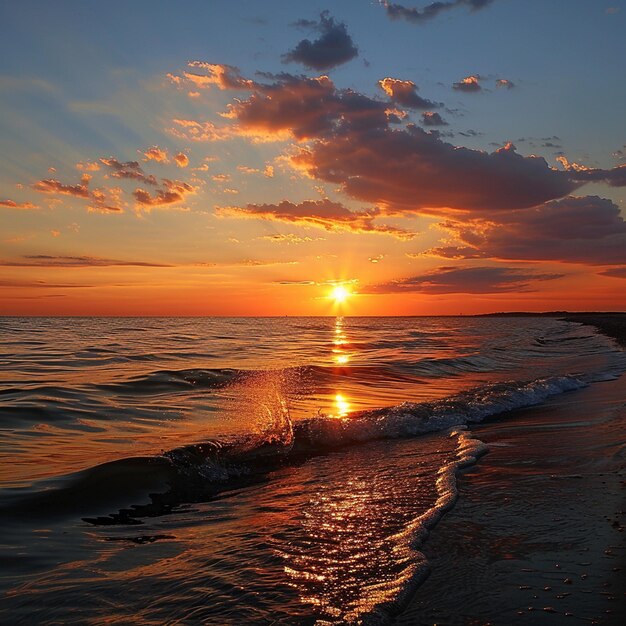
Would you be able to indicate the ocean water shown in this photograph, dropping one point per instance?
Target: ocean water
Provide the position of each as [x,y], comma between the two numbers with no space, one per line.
[249,470]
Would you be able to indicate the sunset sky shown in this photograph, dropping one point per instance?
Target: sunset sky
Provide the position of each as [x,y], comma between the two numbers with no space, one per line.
[246,158]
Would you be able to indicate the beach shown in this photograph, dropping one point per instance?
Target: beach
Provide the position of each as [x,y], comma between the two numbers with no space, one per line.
[537,534]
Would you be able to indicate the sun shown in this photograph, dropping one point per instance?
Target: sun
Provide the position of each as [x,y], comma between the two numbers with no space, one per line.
[340,294]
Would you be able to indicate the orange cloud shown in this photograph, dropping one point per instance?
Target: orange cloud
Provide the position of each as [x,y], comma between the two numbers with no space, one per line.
[156,154]
[331,216]
[192,130]
[88,166]
[11,204]
[222,76]
[469,84]
[404,92]
[52,186]
[290,238]
[106,201]
[181,159]
[174,191]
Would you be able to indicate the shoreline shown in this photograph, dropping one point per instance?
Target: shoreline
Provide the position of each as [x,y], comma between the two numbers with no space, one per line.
[537,533]
[613,325]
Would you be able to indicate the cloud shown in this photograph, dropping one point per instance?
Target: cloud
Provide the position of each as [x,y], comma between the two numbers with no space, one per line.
[156,154]
[173,191]
[331,216]
[23,206]
[404,92]
[469,84]
[572,230]
[419,16]
[350,140]
[433,119]
[181,159]
[102,200]
[222,76]
[351,143]
[504,83]
[614,177]
[615,272]
[38,284]
[334,46]
[303,108]
[116,165]
[106,201]
[88,166]
[52,186]
[45,260]
[129,169]
[414,170]
[268,171]
[477,280]
[192,130]
[290,238]
[304,283]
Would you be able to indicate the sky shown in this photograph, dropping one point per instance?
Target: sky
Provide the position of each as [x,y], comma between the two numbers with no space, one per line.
[248,158]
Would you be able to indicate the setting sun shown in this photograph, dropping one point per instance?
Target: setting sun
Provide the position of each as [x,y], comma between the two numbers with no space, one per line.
[340,294]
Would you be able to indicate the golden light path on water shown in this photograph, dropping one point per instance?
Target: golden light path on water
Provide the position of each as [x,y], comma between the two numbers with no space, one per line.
[341,356]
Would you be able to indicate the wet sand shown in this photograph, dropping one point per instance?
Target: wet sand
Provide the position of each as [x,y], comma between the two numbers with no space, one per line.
[538,533]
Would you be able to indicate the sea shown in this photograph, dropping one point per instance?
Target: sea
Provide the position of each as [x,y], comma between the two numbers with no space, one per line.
[251,470]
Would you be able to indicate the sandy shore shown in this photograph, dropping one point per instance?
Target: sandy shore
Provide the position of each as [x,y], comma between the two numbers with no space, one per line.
[538,533]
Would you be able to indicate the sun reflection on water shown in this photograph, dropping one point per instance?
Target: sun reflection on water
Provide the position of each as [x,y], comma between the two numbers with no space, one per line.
[342,406]
[341,357]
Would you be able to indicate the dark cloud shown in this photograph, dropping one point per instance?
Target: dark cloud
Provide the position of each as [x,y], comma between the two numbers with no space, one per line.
[433,119]
[573,230]
[101,200]
[331,216]
[615,272]
[173,191]
[404,92]
[51,186]
[373,155]
[448,279]
[130,169]
[11,204]
[39,284]
[304,108]
[296,282]
[419,16]
[305,24]
[614,177]
[414,170]
[116,165]
[45,260]
[334,46]
[469,84]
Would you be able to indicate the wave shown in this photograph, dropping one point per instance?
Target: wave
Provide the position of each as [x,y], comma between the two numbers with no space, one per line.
[193,472]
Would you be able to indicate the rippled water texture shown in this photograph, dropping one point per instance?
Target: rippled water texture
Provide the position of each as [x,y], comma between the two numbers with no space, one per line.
[249,470]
